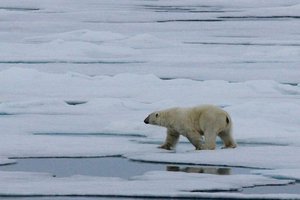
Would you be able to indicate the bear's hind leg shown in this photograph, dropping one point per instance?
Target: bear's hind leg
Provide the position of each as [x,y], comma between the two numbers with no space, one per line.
[227,139]
[171,140]
[210,139]
[196,139]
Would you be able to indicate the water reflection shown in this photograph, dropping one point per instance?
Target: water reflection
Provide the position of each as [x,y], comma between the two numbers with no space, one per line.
[110,167]
[205,170]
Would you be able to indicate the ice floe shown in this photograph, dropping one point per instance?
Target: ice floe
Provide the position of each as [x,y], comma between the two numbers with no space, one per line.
[280,173]
[152,184]
[78,78]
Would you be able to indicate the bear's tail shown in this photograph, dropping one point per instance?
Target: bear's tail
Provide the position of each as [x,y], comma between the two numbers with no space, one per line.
[227,120]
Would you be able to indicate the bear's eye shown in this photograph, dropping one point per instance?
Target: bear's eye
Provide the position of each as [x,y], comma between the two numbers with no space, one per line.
[156,115]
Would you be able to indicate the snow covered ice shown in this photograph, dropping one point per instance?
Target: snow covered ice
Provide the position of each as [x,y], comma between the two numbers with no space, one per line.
[78,78]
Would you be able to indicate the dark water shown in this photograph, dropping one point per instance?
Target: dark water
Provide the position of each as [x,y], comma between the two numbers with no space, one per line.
[108,167]
[285,189]
[124,168]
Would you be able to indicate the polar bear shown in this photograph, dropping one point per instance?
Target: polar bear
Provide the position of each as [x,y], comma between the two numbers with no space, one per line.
[196,123]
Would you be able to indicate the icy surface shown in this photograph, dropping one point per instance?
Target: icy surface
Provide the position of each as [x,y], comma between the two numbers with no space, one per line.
[5,161]
[79,77]
[260,157]
[281,173]
[235,41]
[148,185]
[105,118]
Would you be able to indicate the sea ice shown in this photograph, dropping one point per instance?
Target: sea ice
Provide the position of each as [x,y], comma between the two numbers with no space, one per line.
[280,173]
[169,39]
[6,161]
[151,184]
[78,78]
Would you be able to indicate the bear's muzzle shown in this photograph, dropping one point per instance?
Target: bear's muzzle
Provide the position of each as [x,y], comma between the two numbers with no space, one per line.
[147,120]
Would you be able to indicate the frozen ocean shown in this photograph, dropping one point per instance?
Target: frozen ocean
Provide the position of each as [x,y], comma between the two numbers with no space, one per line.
[79,77]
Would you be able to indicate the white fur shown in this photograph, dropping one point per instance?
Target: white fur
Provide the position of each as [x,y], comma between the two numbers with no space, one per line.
[201,125]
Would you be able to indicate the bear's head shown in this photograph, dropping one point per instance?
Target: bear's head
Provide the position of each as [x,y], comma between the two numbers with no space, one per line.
[154,119]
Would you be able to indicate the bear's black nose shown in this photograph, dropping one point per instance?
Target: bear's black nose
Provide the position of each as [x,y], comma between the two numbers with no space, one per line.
[146,120]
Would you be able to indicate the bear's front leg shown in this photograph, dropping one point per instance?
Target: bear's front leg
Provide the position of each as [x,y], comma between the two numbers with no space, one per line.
[171,140]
